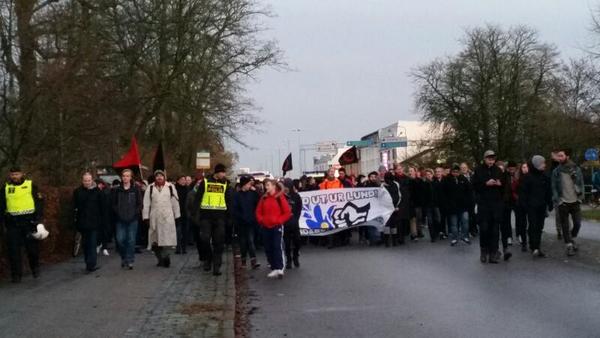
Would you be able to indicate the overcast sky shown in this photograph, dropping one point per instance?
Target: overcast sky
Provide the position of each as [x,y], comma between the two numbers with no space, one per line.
[352,58]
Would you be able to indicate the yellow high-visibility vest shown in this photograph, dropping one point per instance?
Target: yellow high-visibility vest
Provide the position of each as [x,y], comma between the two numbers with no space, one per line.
[19,198]
[214,196]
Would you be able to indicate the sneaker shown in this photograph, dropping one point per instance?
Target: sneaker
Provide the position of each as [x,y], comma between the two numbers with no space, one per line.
[288,265]
[280,274]
[254,264]
[541,254]
[98,248]
[414,238]
[570,250]
[273,274]
[296,262]
[575,247]
[105,252]
[243,263]
[35,273]
[454,242]
[520,240]
[507,255]
[130,266]
[509,241]
[535,253]
[467,240]
[523,248]
[559,236]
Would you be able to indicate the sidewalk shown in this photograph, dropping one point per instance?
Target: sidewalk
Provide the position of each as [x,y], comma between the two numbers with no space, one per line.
[182,301]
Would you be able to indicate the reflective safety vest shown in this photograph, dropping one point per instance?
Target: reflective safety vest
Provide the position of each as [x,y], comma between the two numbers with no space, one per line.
[214,196]
[19,199]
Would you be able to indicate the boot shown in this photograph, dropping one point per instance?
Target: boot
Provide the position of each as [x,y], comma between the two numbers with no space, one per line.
[296,261]
[254,264]
[167,262]
[207,265]
[243,263]
[493,257]
[484,256]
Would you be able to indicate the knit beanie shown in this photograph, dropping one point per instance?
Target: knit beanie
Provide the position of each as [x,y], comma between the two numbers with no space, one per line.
[537,161]
[244,179]
[220,168]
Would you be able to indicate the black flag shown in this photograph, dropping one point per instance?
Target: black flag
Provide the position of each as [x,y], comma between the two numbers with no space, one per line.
[350,156]
[287,164]
[159,159]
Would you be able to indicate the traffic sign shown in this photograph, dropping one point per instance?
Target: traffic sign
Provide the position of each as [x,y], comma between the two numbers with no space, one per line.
[359,144]
[591,154]
[389,145]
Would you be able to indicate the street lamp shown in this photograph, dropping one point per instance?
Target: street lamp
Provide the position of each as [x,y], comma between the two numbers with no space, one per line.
[298,130]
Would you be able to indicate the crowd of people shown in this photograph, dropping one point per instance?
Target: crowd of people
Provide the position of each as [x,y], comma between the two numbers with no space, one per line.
[454,203]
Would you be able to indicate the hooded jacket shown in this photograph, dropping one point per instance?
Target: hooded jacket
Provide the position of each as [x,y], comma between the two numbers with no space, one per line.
[535,190]
[273,211]
[575,172]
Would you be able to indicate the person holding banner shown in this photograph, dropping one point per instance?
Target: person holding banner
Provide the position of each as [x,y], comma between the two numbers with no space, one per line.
[291,233]
[392,227]
[272,213]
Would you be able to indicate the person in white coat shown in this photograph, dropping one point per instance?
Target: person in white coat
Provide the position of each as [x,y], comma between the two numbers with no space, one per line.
[161,209]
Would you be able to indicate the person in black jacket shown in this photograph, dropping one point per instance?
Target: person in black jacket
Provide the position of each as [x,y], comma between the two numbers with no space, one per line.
[90,216]
[244,212]
[404,208]
[457,191]
[182,223]
[440,222]
[392,228]
[126,208]
[487,182]
[291,231]
[536,196]
[431,212]
[210,212]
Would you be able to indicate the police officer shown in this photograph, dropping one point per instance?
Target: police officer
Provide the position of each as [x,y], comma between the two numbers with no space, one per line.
[210,214]
[21,204]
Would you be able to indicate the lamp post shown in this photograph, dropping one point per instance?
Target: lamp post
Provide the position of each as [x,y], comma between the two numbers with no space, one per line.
[301,164]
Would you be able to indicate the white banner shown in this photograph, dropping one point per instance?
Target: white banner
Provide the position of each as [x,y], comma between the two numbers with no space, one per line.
[325,212]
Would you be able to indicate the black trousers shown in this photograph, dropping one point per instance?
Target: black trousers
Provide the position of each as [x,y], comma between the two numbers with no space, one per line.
[564,210]
[292,243]
[212,241]
[506,227]
[490,217]
[473,229]
[521,223]
[89,240]
[182,232]
[536,226]
[18,231]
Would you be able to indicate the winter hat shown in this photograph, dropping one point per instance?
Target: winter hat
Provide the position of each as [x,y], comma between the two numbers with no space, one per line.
[15,169]
[220,168]
[537,161]
[489,153]
[160,172]
[244,179]
[288,183]
[511,164]
[455,167]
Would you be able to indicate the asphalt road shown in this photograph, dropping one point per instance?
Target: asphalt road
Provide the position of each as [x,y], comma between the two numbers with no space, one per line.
[431,290]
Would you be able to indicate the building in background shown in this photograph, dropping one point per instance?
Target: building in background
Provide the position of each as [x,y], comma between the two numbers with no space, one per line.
[394,143]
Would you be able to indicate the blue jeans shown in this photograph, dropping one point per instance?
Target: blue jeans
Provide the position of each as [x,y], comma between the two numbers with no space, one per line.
[459,221]
[88,241]
[126,235]
[273,243]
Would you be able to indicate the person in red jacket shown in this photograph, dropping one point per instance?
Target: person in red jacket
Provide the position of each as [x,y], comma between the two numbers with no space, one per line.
[272,212]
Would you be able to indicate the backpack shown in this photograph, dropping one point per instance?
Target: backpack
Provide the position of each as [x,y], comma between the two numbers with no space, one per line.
[170,190]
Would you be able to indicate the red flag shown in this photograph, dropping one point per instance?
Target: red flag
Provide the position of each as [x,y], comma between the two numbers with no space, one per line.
[131,159]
